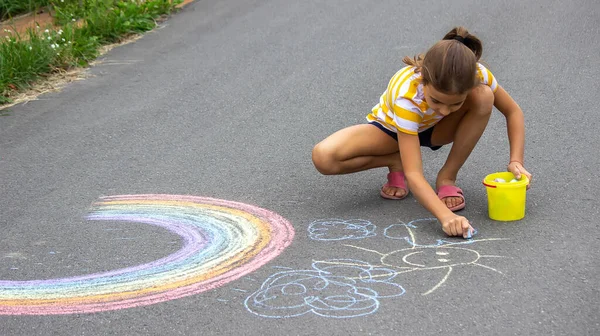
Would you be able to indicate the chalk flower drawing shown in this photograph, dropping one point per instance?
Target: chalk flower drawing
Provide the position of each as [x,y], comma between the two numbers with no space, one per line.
[340,229]
[338,288]
[222,241]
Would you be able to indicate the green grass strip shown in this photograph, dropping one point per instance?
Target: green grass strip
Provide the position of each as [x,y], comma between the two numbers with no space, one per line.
[11,8]
[25,59]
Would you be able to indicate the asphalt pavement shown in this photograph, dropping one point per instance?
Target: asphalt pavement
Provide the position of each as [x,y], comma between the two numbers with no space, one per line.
[172,191]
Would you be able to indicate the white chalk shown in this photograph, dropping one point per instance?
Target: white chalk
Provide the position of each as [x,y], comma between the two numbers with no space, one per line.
[501,180]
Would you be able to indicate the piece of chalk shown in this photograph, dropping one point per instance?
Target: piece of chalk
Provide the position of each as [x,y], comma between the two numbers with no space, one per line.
[471,234]
[500,180]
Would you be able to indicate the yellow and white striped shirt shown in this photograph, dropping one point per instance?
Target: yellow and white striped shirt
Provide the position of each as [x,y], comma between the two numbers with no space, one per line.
[402,107]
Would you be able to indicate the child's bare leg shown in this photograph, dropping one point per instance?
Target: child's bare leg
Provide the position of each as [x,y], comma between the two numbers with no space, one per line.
[358,148]
[463,128]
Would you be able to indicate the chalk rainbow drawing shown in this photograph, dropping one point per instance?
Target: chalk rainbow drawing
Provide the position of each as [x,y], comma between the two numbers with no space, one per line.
[222,241]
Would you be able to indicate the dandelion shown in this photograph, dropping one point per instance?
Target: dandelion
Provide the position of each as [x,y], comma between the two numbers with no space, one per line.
[7,31]
[60,32]
[52,46]
[49,38]
[30,48]
[46,31]
[73,20]
[63,39]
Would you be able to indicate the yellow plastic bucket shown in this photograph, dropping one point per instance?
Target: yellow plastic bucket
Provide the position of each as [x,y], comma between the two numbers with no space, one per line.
[506,200]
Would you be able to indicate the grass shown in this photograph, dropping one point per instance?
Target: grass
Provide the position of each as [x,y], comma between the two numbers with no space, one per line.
[11,8]
[86,25]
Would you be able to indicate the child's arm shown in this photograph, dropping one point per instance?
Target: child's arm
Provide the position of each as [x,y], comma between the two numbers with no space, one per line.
[515,123]
[410,153]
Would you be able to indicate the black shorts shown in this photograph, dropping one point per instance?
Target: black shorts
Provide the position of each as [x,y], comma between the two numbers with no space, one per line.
[424,137]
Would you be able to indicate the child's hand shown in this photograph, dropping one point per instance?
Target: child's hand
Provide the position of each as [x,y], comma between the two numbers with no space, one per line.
[457,226]
[517,169]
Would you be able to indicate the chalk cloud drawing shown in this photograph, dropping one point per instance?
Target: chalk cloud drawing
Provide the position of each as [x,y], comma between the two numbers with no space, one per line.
[337,288]
[340,229]
[222,241]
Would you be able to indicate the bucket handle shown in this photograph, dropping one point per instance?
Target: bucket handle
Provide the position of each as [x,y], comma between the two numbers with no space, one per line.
[488,185]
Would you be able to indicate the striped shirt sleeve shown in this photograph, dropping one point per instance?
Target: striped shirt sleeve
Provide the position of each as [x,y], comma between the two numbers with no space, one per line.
[407,116]
[486,77]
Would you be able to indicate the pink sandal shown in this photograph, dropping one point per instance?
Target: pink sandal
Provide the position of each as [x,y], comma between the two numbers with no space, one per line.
[452,191]
[397,180]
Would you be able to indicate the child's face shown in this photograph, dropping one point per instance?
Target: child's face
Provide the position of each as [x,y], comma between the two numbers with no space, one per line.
[443,103]
[430,258]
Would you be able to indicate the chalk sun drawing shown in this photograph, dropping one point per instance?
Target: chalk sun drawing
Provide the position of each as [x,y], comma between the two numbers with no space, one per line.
[444,255]
[390,233]
[222,241]
[337,288]
[340,229]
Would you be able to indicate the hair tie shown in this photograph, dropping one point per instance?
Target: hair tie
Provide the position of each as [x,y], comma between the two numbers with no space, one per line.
[459,39]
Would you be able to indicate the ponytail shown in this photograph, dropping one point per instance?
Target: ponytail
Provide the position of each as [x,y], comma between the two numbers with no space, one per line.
[462,35]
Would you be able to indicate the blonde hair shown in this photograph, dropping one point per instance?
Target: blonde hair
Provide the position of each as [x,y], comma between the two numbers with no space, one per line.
[450,65]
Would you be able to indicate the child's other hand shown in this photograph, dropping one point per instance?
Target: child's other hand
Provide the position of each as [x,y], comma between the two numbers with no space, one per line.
[517,169]
[457,226]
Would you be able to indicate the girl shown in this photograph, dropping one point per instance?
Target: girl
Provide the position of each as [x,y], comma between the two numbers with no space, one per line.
[443,97]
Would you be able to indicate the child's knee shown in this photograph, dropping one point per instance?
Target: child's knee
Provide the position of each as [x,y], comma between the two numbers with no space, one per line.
[482,99]
[323,159]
